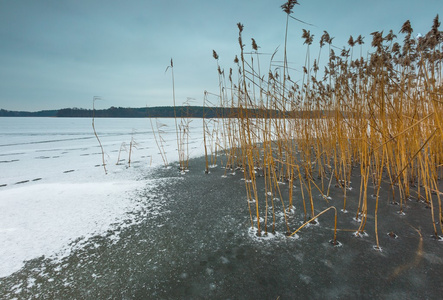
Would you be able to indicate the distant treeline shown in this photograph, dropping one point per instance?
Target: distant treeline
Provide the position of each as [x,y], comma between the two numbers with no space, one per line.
[143,112]
[160,112]
[42,113]
[120,112]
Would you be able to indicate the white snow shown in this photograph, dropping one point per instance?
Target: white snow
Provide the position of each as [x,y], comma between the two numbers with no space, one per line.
[53,189]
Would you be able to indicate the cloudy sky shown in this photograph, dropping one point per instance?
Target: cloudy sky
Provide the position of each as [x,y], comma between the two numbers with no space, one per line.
[60,53]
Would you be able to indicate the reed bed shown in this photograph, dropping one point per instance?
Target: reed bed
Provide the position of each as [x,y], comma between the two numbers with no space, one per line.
[376,117]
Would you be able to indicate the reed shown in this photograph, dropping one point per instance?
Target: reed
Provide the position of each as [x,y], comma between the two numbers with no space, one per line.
[159,140]
[96,98]
[378,115]
[122,147]
[132,145]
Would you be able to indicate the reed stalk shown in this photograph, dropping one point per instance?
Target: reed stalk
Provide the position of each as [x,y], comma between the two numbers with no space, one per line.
[96,98]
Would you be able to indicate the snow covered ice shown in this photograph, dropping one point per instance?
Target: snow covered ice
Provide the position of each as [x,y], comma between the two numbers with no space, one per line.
[68,231]
[53,188]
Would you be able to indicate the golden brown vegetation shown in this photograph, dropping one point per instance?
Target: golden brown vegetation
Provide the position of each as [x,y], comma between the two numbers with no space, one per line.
[379,115]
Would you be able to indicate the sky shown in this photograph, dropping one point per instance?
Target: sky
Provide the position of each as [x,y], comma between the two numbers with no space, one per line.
[61,53]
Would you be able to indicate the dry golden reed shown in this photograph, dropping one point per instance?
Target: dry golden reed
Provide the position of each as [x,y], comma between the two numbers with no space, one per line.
[378,116]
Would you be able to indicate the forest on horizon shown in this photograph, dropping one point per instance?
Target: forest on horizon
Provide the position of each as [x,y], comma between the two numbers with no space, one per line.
[156,112]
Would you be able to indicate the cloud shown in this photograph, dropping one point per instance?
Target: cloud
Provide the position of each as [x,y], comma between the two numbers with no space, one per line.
[64,52]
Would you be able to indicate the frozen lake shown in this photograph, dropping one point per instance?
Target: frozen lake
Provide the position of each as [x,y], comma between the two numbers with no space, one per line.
[68,231]
[53,189]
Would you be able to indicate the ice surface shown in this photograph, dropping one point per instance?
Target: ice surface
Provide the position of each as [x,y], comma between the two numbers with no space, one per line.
[134,234]
[53,188]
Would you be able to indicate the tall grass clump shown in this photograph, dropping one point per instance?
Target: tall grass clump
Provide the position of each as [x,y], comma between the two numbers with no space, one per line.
[374,118]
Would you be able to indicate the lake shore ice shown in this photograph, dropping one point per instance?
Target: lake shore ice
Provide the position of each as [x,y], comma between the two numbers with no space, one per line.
[187,238]
[53,189]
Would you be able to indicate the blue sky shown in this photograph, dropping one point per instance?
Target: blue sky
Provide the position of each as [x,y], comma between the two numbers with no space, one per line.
[57,54]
